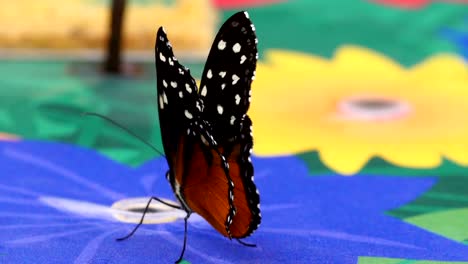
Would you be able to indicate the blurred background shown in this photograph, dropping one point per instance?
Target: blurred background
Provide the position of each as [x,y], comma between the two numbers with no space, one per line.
[349,86]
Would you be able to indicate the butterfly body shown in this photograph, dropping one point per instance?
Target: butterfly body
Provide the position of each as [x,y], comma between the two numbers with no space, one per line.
[206,132]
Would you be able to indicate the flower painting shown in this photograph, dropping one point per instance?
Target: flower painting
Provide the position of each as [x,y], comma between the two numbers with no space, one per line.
[58,205]
[360,104]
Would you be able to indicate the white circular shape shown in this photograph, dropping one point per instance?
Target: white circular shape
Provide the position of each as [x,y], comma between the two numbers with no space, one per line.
[238,99]
[203,91]
[161,102]
[188,114]
[188,88]
[236,48]
[209,74]
[129,210]
[221,45]
[233,119]
[220,109]
[161,57]
[243,58]
[235,78]
[174,84]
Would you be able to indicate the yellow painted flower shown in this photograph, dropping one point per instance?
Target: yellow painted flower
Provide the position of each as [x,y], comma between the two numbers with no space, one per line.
[361,104]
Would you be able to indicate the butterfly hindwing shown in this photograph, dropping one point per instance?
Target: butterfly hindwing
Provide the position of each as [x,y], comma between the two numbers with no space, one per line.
[241,171]
[206,187]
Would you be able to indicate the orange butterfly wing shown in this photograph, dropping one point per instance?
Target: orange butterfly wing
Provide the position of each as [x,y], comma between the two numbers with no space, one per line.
[205,185]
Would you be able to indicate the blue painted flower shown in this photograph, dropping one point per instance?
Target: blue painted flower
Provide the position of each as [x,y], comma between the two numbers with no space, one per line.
[58,205]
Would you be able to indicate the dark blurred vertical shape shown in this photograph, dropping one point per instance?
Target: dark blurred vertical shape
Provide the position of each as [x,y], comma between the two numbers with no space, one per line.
[114,45]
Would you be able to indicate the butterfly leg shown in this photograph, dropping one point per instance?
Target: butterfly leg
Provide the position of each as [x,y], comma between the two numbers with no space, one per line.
[185,238]
[143,216]
[245,244]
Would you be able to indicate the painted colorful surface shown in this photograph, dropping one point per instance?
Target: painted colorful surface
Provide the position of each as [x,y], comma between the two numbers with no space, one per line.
[84,24]
[57,205]
[376,94]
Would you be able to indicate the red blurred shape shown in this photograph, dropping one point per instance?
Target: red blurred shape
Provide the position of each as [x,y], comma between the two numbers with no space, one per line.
[414,3]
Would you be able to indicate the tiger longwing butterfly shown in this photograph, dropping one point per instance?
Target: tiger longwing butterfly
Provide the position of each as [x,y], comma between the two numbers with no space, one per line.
[206,132]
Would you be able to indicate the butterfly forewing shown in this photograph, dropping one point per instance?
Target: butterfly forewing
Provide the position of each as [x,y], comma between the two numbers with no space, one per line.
[228,73]
[177,96]
[225,91]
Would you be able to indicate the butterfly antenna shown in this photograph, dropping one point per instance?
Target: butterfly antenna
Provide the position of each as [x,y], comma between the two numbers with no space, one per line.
[185,239]
[143,216]
[123,128]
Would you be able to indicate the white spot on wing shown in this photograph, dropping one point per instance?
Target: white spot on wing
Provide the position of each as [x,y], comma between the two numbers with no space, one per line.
[165,83]
[209,74]
[236,48]
[164,98]
[181,72]
[188,114]
[161,57]
[171,62]
[221,44]
[161,102]
[238,99]
[188,88]
[174,84]
[222,74]
[203,91]
[181,94]
[233,119]
[235,78]
[223,86]
[203,139]
[220,109]
[243,58]
[246,14]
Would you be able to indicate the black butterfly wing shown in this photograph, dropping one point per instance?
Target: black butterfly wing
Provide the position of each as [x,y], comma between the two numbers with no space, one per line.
[228,74]
[177,97]
[225,92]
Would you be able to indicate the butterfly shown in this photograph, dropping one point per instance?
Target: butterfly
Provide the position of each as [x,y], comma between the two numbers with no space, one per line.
[206,132]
